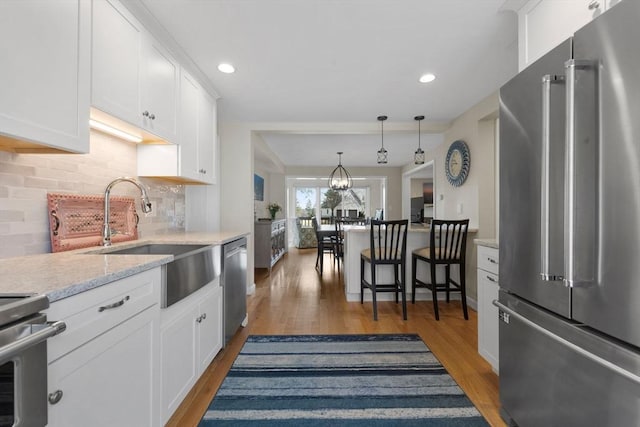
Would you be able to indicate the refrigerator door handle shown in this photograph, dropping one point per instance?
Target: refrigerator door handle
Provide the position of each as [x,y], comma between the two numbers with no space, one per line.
[575,275]
[545,228]
[593,357]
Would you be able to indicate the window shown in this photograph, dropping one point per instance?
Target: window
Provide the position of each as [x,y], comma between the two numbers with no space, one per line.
[306,201]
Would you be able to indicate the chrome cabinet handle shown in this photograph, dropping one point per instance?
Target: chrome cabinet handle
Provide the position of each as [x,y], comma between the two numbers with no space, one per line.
[55,397]
[595,4]
[199,319]
[148,115]
[114,305]
[152,116]
[204,316]
[491,279]
[545,185]
[145,113]
[492,261]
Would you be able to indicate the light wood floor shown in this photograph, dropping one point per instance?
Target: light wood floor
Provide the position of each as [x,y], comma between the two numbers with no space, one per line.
[294,299]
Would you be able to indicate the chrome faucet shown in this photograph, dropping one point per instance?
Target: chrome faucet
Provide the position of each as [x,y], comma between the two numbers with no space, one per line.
[144,198]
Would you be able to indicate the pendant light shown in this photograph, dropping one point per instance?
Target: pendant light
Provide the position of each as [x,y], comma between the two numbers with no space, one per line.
[382,153]
[418,157]
[340,178]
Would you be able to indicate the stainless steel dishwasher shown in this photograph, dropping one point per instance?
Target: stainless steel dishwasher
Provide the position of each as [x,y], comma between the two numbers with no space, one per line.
[234,283]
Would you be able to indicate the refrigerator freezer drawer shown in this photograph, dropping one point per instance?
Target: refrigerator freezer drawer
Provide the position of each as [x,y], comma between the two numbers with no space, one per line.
[544,382]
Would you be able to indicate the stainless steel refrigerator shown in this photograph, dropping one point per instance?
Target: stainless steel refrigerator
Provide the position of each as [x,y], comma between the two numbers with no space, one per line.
[570,231]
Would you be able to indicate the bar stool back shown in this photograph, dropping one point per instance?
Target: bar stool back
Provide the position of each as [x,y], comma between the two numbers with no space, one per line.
[448,246]
[388,246]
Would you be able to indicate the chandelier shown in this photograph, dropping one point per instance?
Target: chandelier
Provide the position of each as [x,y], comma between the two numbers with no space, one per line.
[382,153]
[340,178]
[418,157]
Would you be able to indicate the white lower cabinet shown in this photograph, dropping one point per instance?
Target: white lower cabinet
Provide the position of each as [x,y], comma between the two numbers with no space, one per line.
[190,337]
[103,370]
[110,381]
[488,286]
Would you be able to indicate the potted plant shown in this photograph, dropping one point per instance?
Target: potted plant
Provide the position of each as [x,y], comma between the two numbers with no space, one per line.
[274,208]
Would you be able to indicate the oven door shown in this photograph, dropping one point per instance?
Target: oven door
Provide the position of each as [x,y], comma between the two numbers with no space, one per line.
[23,371]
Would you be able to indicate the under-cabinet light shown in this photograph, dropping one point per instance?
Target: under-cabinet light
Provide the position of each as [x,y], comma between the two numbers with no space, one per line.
[113,131]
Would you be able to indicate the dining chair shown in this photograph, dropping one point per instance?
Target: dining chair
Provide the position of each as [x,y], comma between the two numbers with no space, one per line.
[387,247]
[447,246]
[325,245]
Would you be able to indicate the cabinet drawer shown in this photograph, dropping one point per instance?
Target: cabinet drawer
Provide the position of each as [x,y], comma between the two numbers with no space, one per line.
[487,277]
[488,259]
[94,312]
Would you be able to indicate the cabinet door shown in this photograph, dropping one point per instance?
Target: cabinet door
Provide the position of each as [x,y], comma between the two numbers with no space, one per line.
[188,139]
[488,324]
[178,341]
[112,380]
[45,74]
[160,81]
[544,24]
[206,138]
[117,44]
[210,327]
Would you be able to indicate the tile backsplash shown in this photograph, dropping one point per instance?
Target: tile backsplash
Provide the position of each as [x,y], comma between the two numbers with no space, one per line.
[25,180]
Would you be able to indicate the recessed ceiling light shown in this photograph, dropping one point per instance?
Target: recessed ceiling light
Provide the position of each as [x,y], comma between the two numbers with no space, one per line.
[226,68]
[426,78]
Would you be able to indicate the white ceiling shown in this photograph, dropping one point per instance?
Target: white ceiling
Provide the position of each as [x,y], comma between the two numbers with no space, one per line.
[345,61]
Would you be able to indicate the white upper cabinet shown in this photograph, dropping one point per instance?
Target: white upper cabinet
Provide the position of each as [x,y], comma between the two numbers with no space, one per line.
[544,24]
[117,48]
[207,138]
[192,160]
[134,78]
[160,80]
[189,106]
[45,75]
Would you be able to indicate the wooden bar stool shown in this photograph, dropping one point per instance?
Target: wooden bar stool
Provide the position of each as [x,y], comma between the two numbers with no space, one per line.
[388,246]
[448,245]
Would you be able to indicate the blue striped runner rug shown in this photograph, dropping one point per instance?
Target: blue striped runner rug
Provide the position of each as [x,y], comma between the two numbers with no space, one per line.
[339,380]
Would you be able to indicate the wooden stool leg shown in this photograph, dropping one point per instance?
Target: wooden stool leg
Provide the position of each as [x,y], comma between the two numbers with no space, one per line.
[434,293]
[395,279]
[414,264]
[361,281]
[373,292]
[463,292]
[447,280]
[403,290]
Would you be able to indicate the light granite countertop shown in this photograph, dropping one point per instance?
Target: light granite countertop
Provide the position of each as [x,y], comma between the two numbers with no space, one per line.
[64,274]
[490,243]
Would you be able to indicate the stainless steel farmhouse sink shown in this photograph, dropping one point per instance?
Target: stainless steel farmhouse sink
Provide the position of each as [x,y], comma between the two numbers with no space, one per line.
[193,267]
[156,249]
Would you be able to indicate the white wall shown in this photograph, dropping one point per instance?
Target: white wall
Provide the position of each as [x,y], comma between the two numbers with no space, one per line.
[477,127]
